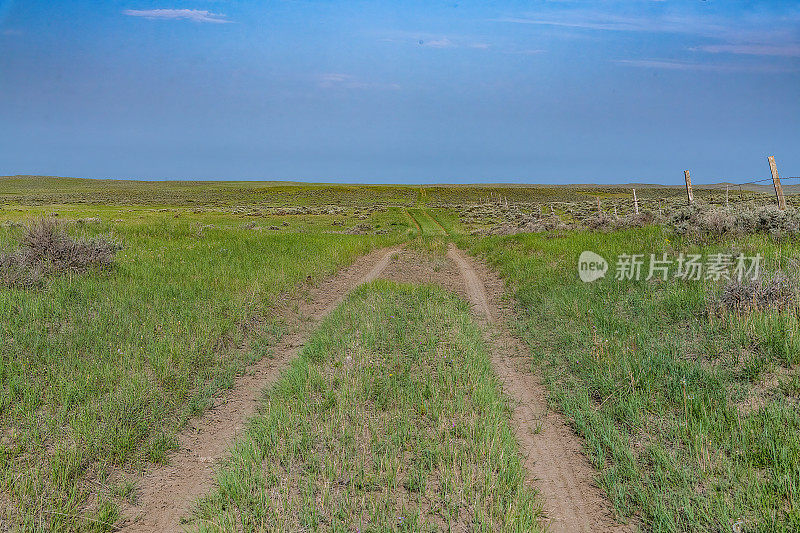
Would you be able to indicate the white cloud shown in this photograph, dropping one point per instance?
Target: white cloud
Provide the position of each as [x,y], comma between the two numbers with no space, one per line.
[337,80]
[711,67]
[195,15]
[785,50]
[443,42]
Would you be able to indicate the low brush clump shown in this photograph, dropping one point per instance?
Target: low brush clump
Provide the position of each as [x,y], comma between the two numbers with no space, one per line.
[530,224]
[776,293]
[606,222]
[703,222]
[46,249]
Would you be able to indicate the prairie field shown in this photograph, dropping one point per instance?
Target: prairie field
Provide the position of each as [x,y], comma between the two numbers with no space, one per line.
[689,412]
[392,405]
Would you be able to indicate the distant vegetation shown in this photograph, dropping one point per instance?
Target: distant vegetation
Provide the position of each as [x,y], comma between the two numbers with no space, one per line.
[35,190]
[39,190]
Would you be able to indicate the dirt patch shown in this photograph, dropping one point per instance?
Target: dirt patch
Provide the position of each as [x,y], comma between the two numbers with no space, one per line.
[554,461]
[768,388]
[409,266]
[167,492]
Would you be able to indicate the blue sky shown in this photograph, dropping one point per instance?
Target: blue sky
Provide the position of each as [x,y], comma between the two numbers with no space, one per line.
[608,91]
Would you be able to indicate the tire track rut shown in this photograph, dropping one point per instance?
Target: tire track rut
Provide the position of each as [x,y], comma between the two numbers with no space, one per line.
[167,492]
[554,460]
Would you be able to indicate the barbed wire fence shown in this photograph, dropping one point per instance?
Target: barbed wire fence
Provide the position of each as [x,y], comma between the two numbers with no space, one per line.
[620,201]
[780,192]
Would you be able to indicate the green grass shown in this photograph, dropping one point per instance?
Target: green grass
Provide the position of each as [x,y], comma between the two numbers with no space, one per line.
[448,220]
[690,418]
[45,190]
[99,371]
[426,223]
[390,420]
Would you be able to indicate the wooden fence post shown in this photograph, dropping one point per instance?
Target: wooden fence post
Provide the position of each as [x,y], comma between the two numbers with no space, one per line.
[599,209]
[635,202]
[776,182]
[689,194]
[727,205]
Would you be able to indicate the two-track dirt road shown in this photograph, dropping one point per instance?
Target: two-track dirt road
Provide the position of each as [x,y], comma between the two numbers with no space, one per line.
[554,461]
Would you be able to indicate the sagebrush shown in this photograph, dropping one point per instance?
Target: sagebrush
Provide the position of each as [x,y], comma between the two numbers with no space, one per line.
[46,248]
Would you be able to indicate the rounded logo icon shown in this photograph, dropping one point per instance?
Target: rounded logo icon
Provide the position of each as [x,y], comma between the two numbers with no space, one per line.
[591,266]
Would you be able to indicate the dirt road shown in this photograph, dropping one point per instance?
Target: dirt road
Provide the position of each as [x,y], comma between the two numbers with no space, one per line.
[167,492]
[554,461]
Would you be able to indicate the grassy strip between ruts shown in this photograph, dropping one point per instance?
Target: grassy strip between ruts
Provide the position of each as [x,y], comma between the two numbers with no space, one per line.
[390,420]
[98,371]
[690,416]
[427,224]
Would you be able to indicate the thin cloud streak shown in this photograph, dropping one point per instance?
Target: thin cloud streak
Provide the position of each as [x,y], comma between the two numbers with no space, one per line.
[528,52]
[194,15]
[747,35]
[337,80]
[606,22]
[434,40]
[708,67]
[788,50]
[444,42]
[745,29]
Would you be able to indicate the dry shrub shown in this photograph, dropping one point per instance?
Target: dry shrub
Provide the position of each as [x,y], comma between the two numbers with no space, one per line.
[359,229]
[769,219]
[531,224]
[605,222]
[636,220]
[777,293]
[602,222]
[16,270]
[46,249]
[705,222]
